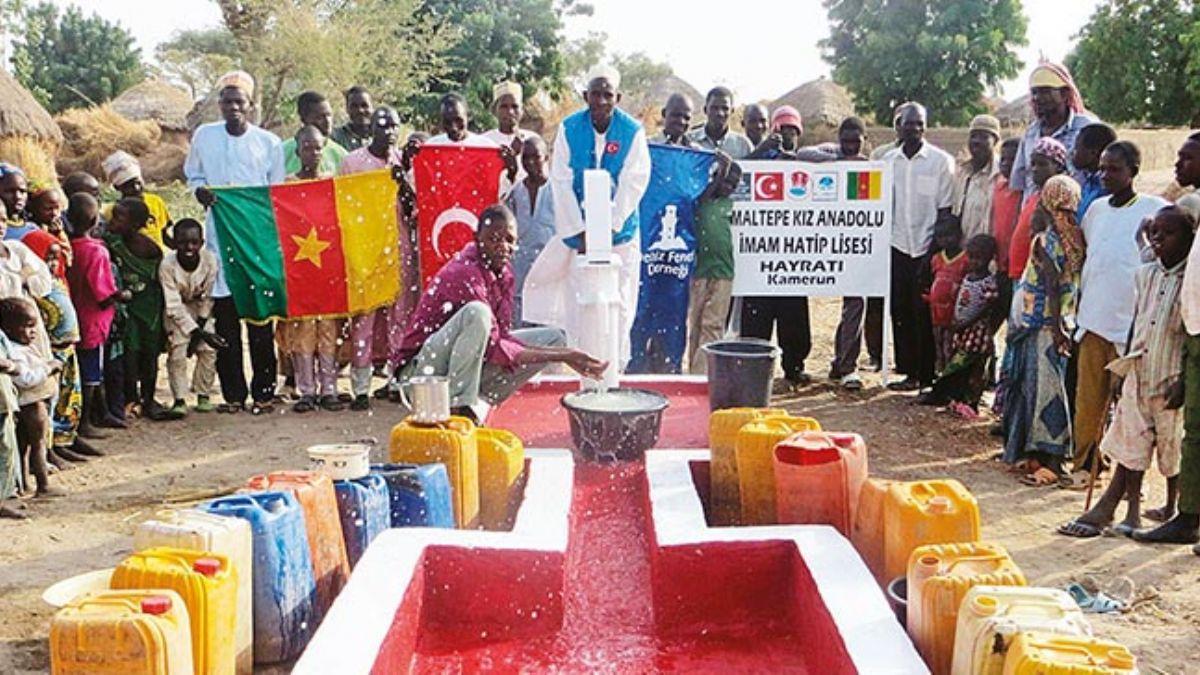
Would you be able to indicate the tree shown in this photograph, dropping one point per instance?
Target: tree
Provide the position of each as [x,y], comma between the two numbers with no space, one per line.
[73,60]
[942,54]
[1131,65]
[327,45]
[196,58]
[500,40]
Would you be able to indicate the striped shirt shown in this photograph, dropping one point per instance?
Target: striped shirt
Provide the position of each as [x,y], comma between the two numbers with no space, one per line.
[1158,327]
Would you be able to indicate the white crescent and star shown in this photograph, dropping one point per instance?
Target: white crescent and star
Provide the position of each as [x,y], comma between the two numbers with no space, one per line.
[451,215]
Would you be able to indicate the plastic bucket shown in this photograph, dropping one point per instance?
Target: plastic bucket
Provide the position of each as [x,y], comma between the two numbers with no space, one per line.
[897,595]
[740,373]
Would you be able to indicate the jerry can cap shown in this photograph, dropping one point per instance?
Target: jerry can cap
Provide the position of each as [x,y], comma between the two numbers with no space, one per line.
[207,566]
[156,604]
[939,504]
[1120,657]
[984,605]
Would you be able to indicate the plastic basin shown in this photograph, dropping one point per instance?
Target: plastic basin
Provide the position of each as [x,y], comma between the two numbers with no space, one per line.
[614,425]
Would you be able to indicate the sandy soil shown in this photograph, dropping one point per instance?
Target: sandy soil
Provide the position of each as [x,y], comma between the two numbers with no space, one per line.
[152,465]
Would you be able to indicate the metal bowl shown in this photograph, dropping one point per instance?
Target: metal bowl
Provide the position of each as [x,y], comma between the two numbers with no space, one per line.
[614,425]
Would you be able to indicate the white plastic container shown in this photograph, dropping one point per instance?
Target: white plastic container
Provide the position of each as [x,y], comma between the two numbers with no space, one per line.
[199,531]
[990,618]
[342,461]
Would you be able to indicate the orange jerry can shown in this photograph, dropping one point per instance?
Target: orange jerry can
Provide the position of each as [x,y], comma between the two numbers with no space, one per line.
[925,512]
[207,583]
[754,448]
[939,577]
[322,524]
[501,463]
[1038,653]
[134,632]
[818,478]
[866,534]
[453,443]
[723,426]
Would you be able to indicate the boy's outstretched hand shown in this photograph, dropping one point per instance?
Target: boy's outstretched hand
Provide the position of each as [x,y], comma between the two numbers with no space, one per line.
[1175,395]
[585,364]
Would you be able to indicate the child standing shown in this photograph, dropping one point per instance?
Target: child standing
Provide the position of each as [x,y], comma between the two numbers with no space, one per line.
[1148,420]
[137,257]
[965,376]
[948,266]
[125,174]
[32,370]
[187,275]
[311,343]
[10,449]
[94,294]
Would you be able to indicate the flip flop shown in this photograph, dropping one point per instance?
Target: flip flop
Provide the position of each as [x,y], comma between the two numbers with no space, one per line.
[262,408]
[1119,530]
[1043,477]
[1098,603]
[231,408]
[1079,530]
[1076,480]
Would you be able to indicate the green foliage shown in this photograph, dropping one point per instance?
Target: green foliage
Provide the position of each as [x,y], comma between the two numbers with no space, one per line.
[942,54]
[639,72]
[196,58]
[1131,64]
[517,40]
[289,46]
[71,60]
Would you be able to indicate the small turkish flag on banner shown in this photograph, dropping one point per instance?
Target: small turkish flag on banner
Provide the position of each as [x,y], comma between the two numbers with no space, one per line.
[768,187]
[454,184]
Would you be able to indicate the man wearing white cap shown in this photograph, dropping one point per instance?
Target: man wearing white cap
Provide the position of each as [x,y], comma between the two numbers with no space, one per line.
[236,152]
[602,136]
[508,107]
[974,178]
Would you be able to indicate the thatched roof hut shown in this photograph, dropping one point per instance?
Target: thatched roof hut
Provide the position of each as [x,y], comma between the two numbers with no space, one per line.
[29,137]
[156,101]
[821,103]
[1016,113]
[646,104]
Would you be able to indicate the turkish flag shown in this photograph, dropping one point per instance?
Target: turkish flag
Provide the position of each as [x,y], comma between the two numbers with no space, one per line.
[768,186]
[454,184]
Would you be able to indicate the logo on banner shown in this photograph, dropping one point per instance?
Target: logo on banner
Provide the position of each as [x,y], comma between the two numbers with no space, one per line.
[825,187]
[798,185]
[668,236]
[768,187]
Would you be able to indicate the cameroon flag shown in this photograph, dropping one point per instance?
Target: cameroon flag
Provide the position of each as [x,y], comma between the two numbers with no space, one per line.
[316,248]
[864,185]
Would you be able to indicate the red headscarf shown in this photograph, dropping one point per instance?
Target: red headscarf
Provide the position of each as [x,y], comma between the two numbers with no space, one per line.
[39,241]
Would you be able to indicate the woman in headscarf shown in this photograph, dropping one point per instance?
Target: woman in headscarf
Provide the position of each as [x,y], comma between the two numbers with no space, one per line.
[1037,422]
[14,194]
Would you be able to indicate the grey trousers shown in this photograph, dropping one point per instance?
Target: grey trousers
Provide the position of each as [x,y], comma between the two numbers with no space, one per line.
[457,350]
[857,314]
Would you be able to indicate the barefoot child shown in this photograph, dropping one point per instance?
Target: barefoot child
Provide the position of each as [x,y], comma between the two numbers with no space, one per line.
[948,266]
[965,376]
[32,371]
[94,294]
[187,275]
[10,450]
[1148,420]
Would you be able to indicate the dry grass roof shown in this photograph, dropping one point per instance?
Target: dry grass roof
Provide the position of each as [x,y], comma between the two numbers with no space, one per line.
[22,115]
[156,101]
[821,101]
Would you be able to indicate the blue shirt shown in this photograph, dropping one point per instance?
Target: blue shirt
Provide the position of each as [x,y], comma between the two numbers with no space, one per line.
[1066,134]
[1090,189]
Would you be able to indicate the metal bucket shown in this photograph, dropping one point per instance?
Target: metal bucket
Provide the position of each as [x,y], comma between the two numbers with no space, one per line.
[430,399]
[897,595]
[740,373]
[614,425]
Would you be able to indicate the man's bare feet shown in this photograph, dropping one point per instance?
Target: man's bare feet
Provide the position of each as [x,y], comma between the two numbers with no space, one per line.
[1160,515]
[49,492]
[13,511]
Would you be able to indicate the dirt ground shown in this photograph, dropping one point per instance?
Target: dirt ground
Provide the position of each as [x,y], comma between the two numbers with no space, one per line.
[153,465]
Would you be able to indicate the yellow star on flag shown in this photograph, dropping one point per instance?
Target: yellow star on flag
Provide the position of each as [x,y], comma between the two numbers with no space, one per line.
[311,247]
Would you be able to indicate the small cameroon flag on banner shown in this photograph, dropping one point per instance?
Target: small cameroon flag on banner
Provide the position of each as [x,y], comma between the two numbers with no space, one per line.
[864,185]
[315,248]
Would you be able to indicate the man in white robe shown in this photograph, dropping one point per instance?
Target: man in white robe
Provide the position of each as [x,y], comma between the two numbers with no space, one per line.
[601,136]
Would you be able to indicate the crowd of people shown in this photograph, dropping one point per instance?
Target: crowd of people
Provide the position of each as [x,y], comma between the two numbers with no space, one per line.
[1040,239]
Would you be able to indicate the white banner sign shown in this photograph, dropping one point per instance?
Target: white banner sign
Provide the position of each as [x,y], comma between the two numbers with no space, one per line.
[812,229]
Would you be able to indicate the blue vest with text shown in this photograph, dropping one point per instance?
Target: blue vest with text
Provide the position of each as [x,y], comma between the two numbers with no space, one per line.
[581,139]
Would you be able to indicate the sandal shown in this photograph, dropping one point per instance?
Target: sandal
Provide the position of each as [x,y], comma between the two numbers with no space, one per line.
[1097,603]
[1043,477]
[1119,530]
[1079,530]
[262,408]
[231,408]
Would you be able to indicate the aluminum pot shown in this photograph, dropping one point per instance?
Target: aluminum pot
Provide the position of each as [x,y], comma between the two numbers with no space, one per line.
[428,399]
